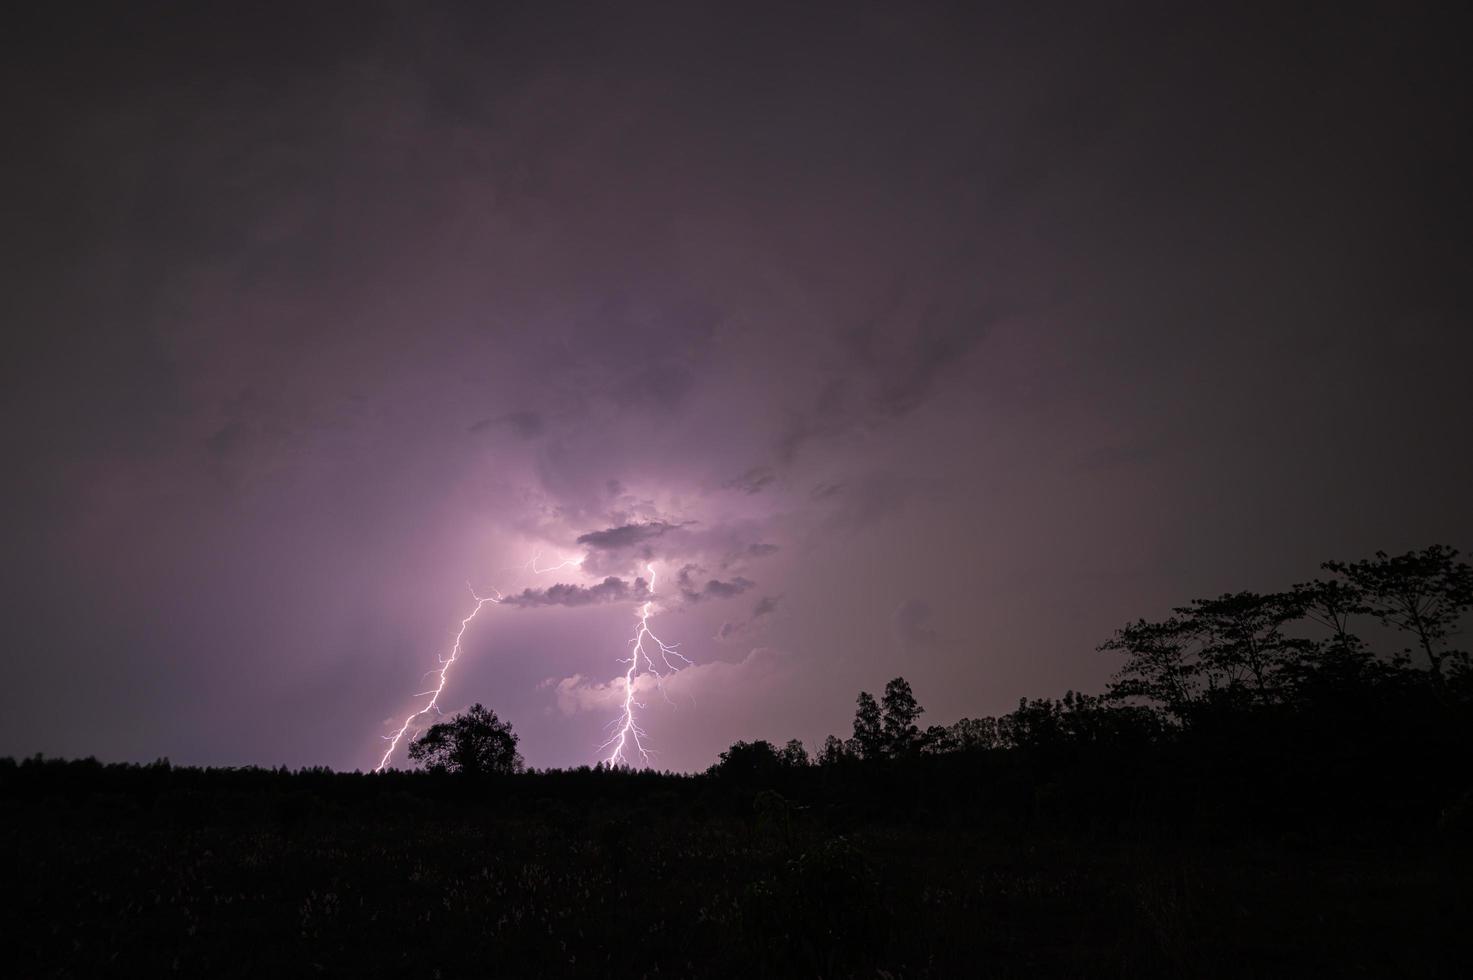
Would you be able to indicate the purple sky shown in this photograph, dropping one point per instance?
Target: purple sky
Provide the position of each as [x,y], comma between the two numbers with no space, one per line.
[927,341]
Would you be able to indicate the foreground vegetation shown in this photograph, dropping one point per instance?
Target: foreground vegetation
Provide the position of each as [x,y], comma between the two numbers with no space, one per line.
[1074,865]
[1250,800]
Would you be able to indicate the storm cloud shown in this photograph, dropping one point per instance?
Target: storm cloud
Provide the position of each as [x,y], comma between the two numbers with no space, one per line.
[610,589]
[733,631]
[970,329]
[693,590]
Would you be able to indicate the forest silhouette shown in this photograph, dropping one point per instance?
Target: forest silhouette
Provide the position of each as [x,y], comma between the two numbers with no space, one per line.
[1273,784]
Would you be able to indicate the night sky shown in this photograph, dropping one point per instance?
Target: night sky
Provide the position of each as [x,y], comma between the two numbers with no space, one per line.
[899,339]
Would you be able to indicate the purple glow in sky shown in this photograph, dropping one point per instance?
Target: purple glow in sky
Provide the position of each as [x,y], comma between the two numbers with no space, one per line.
[898,339]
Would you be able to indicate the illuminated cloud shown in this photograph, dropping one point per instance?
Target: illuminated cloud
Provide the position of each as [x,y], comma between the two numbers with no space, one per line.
[973,306]
[611,589]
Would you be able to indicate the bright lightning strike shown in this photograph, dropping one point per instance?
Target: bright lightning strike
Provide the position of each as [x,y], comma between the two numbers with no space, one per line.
[627,738]
[443,673]
[533,567]
[565,563]
[627,734]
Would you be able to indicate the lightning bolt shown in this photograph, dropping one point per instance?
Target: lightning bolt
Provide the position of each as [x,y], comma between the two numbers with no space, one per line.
[627,734]
[627,738]
[443,673]
[532,565]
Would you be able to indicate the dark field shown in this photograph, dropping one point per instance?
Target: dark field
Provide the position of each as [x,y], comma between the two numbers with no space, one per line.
[992,865]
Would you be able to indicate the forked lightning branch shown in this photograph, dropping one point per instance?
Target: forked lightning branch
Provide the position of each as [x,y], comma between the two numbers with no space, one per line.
[648,656]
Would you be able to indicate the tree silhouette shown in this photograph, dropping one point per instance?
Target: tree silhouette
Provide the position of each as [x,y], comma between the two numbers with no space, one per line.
[749,761]
[1243,649]
[1160,665]
[1035,724]
[834,751]
[794,755]
[474,742]
[869,736]
[938,740]
[1423,593]
[1341,659]
[900,715]
[1241,640]
[974,734]
[1331,604]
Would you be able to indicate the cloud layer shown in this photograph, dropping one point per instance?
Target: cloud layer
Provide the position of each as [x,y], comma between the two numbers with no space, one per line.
[610,589]
[1024,320]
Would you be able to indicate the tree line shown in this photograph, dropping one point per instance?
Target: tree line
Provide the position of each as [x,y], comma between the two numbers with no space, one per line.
[1232,656]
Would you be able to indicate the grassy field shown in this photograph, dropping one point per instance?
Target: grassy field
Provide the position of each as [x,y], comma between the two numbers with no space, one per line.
[305,875]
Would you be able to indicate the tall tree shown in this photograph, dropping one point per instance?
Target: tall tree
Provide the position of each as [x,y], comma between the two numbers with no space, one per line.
[834,751]
[749,761]
[1341,657]
[794,755]
[938,740]
[974,734]
[474,742]
[1241,640]
[1423,593]
[1332,604]
[1160,665]
[869,736]
[901,712]
[1035,724]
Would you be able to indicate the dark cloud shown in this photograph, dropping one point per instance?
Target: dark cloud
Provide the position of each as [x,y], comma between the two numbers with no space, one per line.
[754,480]
[1064,316]
[741,629]
[611,589]
[692,590]
[894,364]
[761,550]
[716,589]
[827,415]
[911,378]
[625,547]
[742,557]
[729,544]
[625,536]
[901,358]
